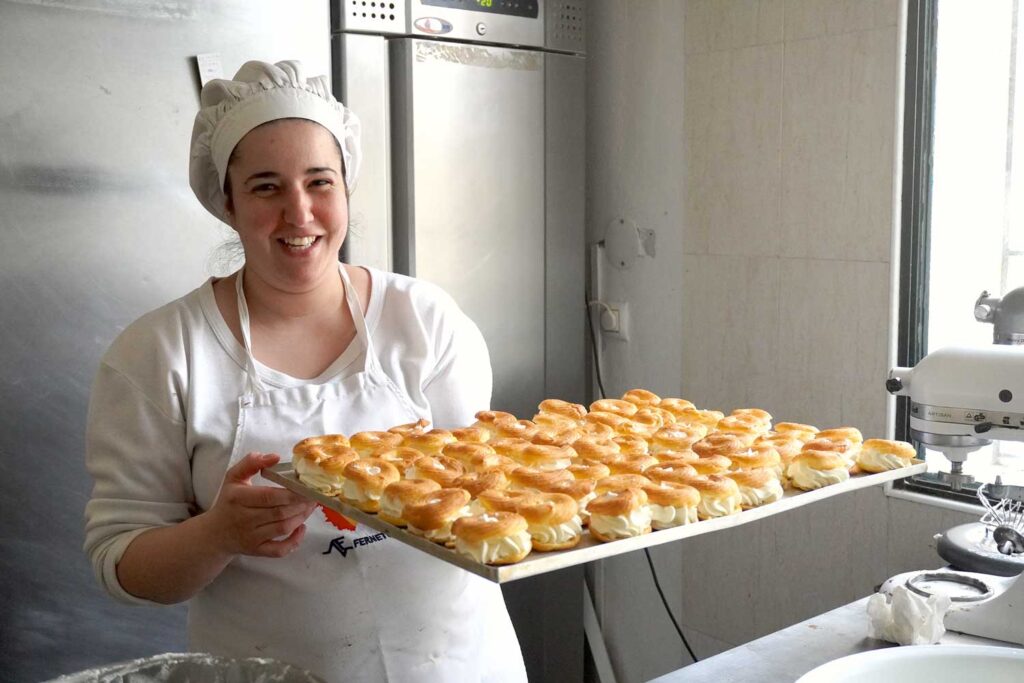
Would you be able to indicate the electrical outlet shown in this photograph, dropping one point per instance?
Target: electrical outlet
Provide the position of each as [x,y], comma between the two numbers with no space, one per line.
[615,321]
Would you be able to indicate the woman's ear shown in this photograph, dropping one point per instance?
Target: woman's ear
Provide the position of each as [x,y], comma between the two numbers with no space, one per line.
[229,212]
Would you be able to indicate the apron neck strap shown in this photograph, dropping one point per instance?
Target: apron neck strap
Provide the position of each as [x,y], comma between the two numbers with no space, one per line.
[253,381]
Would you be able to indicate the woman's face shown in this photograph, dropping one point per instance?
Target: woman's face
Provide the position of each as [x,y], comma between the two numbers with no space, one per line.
[288,203]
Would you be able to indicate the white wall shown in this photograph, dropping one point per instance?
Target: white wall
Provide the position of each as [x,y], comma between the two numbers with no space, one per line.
[757,138]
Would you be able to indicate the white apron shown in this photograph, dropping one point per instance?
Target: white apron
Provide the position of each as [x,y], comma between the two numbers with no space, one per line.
[348,604]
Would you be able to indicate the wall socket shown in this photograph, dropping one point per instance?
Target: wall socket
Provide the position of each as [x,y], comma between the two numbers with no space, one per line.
[615,320]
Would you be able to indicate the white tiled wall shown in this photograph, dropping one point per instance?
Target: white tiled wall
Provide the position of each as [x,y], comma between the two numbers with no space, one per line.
[757,137]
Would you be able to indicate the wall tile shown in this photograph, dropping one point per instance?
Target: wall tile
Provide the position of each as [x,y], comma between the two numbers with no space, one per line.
[816,18]
[730,316]
[711,25]
[833,327]
[732,125]
[838,120]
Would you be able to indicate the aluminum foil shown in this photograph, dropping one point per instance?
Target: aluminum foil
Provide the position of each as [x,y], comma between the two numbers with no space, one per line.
[193,668]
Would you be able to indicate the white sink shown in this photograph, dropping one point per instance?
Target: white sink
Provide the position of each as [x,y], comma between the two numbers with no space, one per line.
[924,664]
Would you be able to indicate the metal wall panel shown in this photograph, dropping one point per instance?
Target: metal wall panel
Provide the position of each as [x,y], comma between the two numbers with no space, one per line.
[472,220]
[98,226]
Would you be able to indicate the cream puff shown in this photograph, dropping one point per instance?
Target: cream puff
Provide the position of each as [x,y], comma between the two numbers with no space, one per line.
[317,448]
[845,448]
[478,482]
[614,406]
[672,504]
[717,443]
[761,416]
[411,427]
[553,520]
[581,490]
[513,429]
[758,456]
[786,444]
[554,406]
[509,447]
[838,433]
[554,422]
[530,479]
[676,457]
[495,538]
[494,500]
[399,494]
[612,420]
[711,464]
[757,487]
[465,451]
[432,515]
[429,443]
[326,475]
[619,482]
[677,473]
[596,430]
[719,496]
[879,455]
[401,457]
[596,450]
[485,419]
[566,437]
[367,443]
[632,464]
[638,429]
[677,438]
[801,431]
[623,513]
[588,471]
[675,405]
[441,468]
[365,481]
[632,445]
[708,418]
[471,435]
[641,398]
[547,457]
[813,469]
[745,428]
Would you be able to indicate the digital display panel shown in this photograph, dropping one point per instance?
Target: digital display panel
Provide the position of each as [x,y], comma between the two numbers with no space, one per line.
[516,8]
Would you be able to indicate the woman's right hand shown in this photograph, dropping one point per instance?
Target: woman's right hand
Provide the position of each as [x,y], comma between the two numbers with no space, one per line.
[266,521]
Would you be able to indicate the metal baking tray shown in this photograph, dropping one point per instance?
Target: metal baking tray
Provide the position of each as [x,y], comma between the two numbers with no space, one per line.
[588,549]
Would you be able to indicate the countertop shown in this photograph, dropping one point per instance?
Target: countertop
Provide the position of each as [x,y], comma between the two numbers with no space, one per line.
[786,655]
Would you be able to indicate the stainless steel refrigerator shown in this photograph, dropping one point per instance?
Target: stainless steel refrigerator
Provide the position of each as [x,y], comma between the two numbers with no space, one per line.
[98,225]
[473,118]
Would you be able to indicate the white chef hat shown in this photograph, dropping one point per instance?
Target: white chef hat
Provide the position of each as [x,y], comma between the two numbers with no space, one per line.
[262,92]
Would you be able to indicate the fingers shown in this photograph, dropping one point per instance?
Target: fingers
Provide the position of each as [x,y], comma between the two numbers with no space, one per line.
[266,497]
[274,548]
[244,470]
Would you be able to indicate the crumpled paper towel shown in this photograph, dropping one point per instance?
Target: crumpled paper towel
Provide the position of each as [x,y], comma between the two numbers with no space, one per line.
[909,618]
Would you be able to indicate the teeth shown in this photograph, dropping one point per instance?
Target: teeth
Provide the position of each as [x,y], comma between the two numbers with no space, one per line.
[299,241]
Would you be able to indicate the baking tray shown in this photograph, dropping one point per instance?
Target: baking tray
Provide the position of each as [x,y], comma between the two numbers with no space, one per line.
[588,549]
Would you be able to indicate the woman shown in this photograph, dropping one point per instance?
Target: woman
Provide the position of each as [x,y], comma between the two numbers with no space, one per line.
[194,399]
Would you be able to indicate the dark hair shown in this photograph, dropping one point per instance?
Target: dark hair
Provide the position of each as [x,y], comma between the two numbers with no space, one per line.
[227,174]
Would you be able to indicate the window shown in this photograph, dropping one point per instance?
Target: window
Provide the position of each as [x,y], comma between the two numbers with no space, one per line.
[963,204]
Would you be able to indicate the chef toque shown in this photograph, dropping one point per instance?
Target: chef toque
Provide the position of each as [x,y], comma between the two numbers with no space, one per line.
[262,92]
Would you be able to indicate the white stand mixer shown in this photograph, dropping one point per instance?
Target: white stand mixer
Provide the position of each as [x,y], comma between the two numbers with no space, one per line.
[963,398]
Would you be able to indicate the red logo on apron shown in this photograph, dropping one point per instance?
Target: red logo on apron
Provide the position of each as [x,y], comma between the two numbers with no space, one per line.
[337,520]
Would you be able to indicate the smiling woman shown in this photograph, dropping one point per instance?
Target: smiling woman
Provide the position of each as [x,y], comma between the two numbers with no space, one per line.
[195,398]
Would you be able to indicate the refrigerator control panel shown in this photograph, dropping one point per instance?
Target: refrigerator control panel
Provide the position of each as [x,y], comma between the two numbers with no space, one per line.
[516,8]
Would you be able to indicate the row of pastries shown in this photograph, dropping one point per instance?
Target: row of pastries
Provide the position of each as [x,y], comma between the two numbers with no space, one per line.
[504,486]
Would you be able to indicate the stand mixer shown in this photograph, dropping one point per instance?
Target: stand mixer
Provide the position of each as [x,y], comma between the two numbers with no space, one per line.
[961,399]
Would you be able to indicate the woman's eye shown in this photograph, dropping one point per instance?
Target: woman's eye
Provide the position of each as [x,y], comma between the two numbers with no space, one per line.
[264,188]
[321,182]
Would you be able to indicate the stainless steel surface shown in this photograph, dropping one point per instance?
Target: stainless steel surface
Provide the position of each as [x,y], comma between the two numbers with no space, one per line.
[1008,540]
[969,547]
[363,85]
[99,226]
[786,655]
[564,208]
[369,16]
[949,440]
[470,205]
[588,549]
[565,25]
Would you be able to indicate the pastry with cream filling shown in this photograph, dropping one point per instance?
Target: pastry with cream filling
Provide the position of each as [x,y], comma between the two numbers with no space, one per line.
[677,438]
[466,451]
[365,481]
[401,457]
[429,443]
[596,450]
[416,427]
[589,471]
[618,482]
[440,468]
[596,430]
[632,464]
[471,435]
[553,520]
[678,473]
[547,457]
[758,456]
[495,538]
[757,487]
[672,504]
[813,469]
[801,431]
[478,482]
[530,479]
[552,422]
[573,411]
[367,443]
[675,405]
[624,513]
[509,447]
[711,464]
[399,494]
[632,445]
[845,448]
[879,455]
[717,443]
[641,397]
[614,406]
[580,490]
[719,496]
[514,429]
[326,475]
[566,437]
[708,418]
[432,515]
[320,447]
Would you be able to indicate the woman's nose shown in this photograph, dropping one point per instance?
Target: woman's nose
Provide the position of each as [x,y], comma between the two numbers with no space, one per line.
[298,208]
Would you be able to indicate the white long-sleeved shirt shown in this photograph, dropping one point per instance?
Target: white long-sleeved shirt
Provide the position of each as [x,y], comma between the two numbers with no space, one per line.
[166,395]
